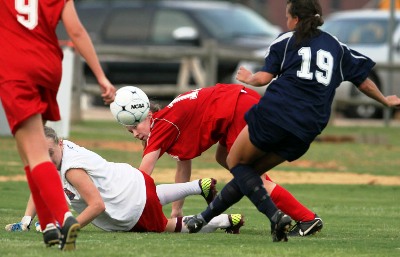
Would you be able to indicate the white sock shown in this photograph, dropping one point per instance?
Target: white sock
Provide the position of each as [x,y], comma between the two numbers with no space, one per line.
[26,220]
[168,193]
[66,215]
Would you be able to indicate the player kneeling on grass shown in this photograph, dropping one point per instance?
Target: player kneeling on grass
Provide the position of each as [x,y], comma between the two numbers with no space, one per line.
[118,197]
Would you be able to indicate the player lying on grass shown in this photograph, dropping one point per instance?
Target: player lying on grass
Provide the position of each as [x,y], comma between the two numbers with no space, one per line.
[118,197]
[198,119]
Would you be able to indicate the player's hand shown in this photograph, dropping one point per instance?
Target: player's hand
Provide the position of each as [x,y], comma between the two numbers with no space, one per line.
[107,90]
[17,227]
[393,101]
[37,226]
[243,74]
[23,225]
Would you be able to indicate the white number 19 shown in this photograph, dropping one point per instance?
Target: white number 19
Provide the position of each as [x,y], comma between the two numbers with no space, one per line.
[27,13]
[324,62]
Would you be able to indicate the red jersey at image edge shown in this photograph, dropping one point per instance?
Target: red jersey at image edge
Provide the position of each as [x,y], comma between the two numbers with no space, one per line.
[29,48]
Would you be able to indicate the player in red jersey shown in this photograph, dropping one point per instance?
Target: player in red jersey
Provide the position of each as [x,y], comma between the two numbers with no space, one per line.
[30,76]
[192,123]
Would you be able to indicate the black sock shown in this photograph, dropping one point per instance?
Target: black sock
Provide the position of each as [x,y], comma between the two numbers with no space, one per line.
[229,195]
[252,186]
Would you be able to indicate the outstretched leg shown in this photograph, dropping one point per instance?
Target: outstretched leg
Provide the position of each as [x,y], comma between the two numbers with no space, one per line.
[168,193]
[231,223]
[247,181]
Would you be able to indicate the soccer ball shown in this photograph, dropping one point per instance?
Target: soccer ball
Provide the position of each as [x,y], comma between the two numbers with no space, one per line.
[131,106]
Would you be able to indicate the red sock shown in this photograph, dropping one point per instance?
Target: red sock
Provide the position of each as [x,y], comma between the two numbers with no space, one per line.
[48,181]
[287,203]
[178,227]
[43,213]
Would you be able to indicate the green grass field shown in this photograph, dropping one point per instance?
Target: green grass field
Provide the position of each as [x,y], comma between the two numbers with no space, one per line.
[360,220]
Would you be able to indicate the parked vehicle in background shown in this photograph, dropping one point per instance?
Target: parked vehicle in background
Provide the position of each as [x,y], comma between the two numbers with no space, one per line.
[169,23]
[365,31]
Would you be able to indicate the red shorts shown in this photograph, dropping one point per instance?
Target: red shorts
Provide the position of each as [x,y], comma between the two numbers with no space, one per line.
[153,218]
[22,100]
[244,103]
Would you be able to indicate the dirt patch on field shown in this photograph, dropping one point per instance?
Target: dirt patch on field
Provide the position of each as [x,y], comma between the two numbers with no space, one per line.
[281,177]
[289,177]
[135,146]
[12,178]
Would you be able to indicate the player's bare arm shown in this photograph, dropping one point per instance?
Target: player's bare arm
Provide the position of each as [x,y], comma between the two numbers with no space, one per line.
[369,88]
[149,161]
[84,45]
[80,180]
[220,155]
[257,79]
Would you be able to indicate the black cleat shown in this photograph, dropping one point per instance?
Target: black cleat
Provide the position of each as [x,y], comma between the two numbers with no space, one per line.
[280,226]
[236,221]
[69,233]
[307,228]
[195,223]
[51,235]
[208,189]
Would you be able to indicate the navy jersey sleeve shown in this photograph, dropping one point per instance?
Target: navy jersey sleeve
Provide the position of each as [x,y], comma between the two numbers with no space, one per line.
[355,66]
[275,54]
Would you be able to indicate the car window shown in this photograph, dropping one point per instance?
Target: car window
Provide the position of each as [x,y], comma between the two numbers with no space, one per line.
[235,23]
[91,18]
[127,26]
[165,22]
[358,31]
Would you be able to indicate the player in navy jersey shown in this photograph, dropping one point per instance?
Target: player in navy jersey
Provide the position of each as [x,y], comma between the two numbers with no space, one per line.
[308,65]
[219,119]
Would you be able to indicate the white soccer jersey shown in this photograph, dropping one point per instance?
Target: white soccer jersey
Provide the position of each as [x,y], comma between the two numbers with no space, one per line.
[121,186]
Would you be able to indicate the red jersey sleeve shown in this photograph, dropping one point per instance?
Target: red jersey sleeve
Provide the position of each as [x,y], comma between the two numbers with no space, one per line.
[163,135]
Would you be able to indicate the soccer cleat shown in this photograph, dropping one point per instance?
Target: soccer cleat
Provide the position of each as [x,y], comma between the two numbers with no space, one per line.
[39,229]
[208,189]
[307,228]
[51,235]
[69,233]
[17,227]
[236,221]
[280,225]
[194,223]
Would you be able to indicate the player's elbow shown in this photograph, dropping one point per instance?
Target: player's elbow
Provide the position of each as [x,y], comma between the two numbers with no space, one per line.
[76,33]
[99,207]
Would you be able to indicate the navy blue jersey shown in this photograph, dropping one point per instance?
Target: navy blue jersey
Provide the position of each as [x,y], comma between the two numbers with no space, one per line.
[299,99]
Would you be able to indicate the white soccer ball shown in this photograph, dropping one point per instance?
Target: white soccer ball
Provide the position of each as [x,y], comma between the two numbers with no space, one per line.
[131,106]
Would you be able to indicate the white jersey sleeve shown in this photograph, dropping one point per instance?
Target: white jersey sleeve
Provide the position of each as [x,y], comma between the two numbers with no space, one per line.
[121,186]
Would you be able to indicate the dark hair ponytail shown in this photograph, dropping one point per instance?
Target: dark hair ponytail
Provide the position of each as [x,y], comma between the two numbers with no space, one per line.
[154,107]
[309,13]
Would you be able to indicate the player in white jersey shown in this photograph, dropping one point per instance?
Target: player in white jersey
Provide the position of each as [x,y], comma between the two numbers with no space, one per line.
[119,197]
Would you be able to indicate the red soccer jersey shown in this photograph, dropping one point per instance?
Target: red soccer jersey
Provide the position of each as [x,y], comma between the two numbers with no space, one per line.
[29,48]
[193,121]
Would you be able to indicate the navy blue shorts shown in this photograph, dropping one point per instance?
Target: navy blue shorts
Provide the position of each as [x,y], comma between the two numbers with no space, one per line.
[269,137]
